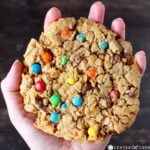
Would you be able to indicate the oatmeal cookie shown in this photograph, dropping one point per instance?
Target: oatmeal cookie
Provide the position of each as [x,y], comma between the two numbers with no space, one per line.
[81,80]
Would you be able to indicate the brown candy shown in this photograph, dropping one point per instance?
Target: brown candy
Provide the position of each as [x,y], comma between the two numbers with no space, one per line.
[133,92]
[116,59]
[87,86]
[128,56]
[47,110]
[78,58]
[40,103]
[114,95]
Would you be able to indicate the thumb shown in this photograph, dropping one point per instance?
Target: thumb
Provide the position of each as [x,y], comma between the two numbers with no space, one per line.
[20,119]
[10,90]
[12,80]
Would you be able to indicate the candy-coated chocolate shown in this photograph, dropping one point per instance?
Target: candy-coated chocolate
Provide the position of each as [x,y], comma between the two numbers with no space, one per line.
[47,57]
[77,100]
[81,37]
[36,68]
[54,117]
[92,132]
[75,133]
[70,80]
[103,44]
[64,60]
[66,33]
[92,72]
[55,99]
[114,95]
[40,86]
[63,106]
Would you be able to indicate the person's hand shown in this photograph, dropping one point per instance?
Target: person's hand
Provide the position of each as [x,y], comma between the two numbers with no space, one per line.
[23,121]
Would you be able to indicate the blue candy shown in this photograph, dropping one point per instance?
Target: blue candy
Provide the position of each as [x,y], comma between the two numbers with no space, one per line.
[81,37]
[64,106]
[54,117]
[103,44]
[36,68]
[77,101]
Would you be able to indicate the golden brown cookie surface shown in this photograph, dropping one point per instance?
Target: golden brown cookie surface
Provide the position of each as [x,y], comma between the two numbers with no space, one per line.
[81,80]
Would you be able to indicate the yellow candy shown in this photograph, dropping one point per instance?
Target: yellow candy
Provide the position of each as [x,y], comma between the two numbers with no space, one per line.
[70,81]
[92,132]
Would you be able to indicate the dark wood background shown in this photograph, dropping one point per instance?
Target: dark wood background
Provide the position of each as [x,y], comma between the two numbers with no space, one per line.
[22,19]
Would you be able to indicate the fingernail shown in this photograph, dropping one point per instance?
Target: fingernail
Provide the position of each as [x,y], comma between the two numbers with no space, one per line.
[12,69]
[142,52]
[54,9]
[15,62]
[98,2]
[120,19]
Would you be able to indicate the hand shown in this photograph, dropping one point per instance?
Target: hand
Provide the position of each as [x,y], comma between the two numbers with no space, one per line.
[23,121]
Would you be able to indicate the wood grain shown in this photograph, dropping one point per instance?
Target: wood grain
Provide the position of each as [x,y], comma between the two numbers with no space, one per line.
[22,19]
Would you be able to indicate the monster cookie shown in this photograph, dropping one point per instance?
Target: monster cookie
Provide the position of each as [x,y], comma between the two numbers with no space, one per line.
[81,80]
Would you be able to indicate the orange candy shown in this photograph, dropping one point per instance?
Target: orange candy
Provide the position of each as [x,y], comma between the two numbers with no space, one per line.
[65,33]
[92,72]
[75,133]
[47,57]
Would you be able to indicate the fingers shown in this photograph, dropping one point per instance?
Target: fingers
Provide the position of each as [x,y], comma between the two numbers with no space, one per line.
[97,12]
[22,120]
[118,26]
[38,140]
[52,15]
[141,60]
[10,90]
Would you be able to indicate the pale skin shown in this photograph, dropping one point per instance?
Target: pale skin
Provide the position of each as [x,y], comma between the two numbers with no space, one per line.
[23,121]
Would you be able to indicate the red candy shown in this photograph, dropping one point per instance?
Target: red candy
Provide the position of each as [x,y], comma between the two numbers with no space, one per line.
[40,86]
[65,33]
[114,95]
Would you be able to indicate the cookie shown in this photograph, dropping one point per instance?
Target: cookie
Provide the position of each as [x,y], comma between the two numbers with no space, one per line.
[81,80]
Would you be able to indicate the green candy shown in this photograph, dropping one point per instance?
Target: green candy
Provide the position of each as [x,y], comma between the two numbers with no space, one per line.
[55,99]
[64,60]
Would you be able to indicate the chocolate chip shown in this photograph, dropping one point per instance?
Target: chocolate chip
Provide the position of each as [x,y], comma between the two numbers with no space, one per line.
[78,58]
[46,109]
[87,86]
[45,102]
[39,103]
[116,59]
[133,93]
[46,49]
[128,56]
